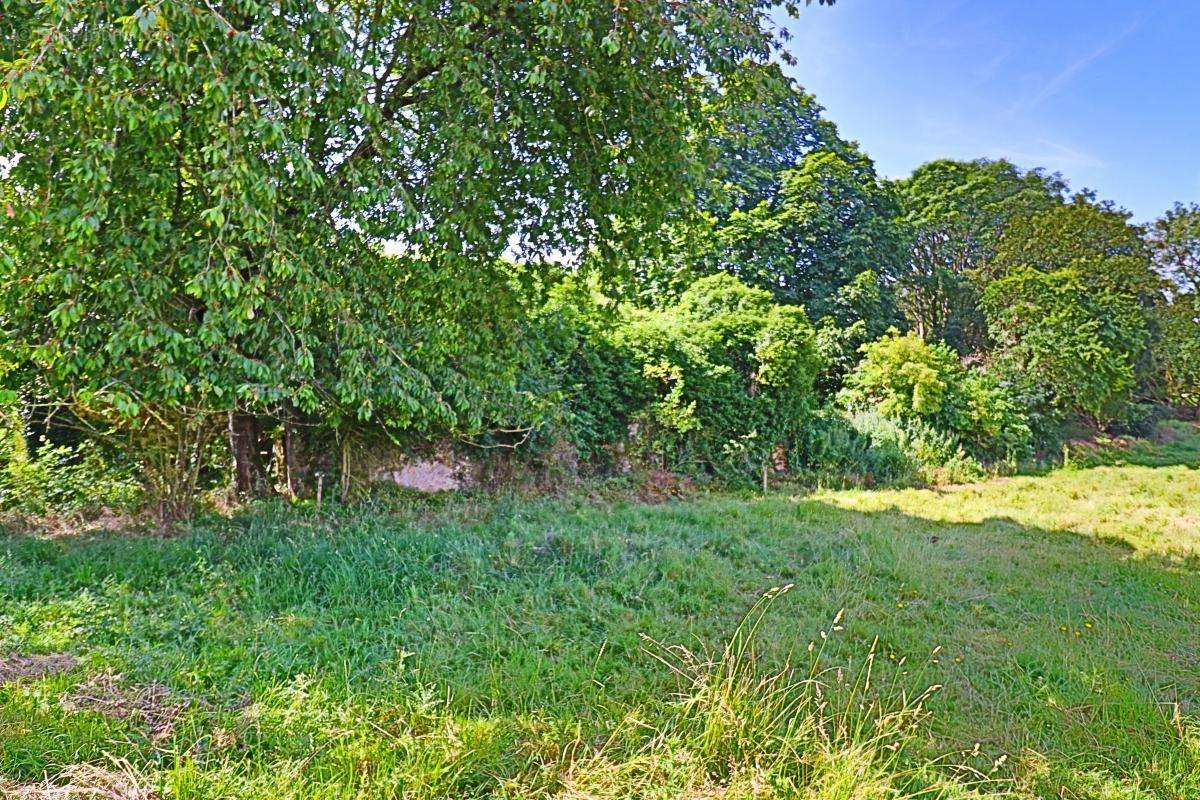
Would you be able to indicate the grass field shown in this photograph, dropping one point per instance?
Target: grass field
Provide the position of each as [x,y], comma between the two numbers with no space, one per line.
[1033,637]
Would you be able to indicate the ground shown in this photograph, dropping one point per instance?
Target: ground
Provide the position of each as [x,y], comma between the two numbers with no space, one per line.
[509,647]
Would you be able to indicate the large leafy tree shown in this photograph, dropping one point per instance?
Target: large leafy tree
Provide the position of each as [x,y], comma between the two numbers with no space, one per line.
[957,211]
[203,189]
[1177,349]
[1175,239]
[828,240]
[1070,296]
[1095,239]
[758,127]
[831,220]
[749,135]
[1061,336]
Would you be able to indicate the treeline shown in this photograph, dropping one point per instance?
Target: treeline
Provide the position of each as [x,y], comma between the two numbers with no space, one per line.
[242,245]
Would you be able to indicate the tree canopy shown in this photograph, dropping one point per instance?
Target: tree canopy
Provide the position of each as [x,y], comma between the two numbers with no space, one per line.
[203,192]
[1175,239]
[957,212]
[616,228]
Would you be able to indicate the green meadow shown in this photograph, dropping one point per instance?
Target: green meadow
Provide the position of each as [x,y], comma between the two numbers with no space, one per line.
[1034,636]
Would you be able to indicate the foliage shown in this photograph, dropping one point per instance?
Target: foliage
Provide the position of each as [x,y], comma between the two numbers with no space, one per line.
[202,195]
[1177,349]
[1061,335]
[1097,241]
[856,448]
[589,375]
[865,447]
[944,406]
[905,378]
[762,125]
[827,240]
[729,374]
[402,221]
[831,221]
[55,478]
[862,311]
[752,135]
[1175,239]
[957,211]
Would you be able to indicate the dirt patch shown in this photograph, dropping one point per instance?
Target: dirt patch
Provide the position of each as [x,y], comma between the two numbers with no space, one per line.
[80,781]
[62,526]
[152,706]
[14,667]
[660,486]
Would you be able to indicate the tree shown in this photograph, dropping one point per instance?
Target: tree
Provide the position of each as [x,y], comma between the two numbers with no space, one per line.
[957,211]
[831,220]
[760,126]
[1177,349]
[1175,239]
[829,241]
[1061,335]
[203,190]
[1096,240]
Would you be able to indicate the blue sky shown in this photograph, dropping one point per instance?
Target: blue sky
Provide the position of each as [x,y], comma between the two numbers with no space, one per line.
[1105,91]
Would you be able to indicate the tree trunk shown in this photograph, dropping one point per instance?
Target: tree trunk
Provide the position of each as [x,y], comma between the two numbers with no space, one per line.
[345,468]
[290,468]
[249,475]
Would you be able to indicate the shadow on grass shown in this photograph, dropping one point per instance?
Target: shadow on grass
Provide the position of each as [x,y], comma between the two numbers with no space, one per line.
[1175,444]
[1049,641]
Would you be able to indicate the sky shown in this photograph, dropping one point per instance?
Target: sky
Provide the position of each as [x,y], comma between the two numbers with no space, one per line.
[1107,92]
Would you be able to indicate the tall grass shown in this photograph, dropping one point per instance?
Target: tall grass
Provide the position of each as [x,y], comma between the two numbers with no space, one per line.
[738,730]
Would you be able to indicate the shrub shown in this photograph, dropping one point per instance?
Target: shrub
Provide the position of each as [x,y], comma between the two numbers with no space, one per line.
[904,377]
[57,478]
[579,368]
[996,425]
[952,416]
[863,447]
[728,374]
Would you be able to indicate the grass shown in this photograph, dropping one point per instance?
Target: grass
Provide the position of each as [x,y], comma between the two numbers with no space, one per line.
[1036,636]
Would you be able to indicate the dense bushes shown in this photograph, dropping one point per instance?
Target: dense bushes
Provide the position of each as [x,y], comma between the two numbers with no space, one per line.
[711,383]
[944,413]
[51,478]
[729,374]
[716,381]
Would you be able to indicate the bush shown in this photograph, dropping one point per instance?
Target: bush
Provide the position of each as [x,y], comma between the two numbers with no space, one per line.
[57,478]
[728,375]
[710,384]
[905,378]
[952,416]
[995,424]
[1140,420]
[579,368]
[864,447]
